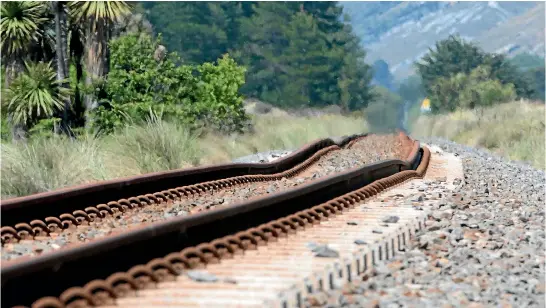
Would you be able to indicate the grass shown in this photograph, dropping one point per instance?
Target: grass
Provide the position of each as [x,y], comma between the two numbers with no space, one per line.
[514,130]
[48,164]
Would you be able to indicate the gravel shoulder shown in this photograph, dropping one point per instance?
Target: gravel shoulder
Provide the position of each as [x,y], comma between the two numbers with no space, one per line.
[483,245]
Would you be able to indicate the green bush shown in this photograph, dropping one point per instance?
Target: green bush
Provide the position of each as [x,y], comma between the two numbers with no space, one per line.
[144,78]
[454,56]
[137,84]
[477,89]
[5,128]
[45,128]
[383,113]
[218,92]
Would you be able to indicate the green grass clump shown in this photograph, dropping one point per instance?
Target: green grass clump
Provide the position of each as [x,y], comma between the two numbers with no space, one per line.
[155,146]
[46,164]
[514,130]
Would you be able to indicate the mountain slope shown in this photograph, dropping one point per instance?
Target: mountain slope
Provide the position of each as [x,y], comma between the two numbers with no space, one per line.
[401,32]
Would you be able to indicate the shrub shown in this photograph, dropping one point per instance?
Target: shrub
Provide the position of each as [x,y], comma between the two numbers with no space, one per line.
[383,113]
[477,89]
[46,164]
[218,92]
[140,82]
[154,146]
[34,95]
[137,84]
[454,56]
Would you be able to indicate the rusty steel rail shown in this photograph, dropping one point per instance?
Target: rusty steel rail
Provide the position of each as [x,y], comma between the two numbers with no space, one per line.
[70,199]
[51,224]
[29,279]
[122,284]
[22,231]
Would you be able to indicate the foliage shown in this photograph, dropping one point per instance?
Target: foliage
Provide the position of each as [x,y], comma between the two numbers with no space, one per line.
[45,128]
[514,130]
[35,94]
[20,25]
[5,129]
[138,84]
[296,53]
[526,61]
[536,78]
[385,111]
[97,11]
[477,89]
[532,67]
[411,89]
[95,22]
[382,75]
[453,56]
[197,30]
[218,93]
[449,57]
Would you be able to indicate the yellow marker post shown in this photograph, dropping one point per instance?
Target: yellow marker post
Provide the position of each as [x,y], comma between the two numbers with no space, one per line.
[425,105]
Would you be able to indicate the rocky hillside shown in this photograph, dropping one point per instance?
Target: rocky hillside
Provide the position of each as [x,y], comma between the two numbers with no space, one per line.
[401,32]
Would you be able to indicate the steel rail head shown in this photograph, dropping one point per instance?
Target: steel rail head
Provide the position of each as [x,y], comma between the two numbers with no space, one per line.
[98,292]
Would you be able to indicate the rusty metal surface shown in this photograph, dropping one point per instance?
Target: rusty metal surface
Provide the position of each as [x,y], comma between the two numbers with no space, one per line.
[25,231]
[53,224]
[121,286]
[151,241]
[67,200]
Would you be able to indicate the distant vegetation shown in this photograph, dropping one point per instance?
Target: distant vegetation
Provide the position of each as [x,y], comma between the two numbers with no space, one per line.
[483,100]
[458,74]
[297,54]
[532,67]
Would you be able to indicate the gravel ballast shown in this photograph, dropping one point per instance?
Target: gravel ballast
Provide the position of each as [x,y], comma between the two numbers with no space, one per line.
[367,150]
[483,245]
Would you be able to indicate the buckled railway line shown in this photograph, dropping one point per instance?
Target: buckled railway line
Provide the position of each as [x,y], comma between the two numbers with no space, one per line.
[255,237]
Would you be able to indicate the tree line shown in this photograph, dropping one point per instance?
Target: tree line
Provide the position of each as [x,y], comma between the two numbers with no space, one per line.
[458,74]
[297,54]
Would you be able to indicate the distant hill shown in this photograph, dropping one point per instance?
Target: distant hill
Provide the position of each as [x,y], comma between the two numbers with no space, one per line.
[401,32]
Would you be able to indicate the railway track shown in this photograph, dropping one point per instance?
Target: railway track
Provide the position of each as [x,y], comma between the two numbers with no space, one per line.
[107,219]
[309,188]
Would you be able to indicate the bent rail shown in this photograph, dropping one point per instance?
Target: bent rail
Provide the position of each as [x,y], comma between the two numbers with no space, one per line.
[25,229]
[24,281]
[67,200]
